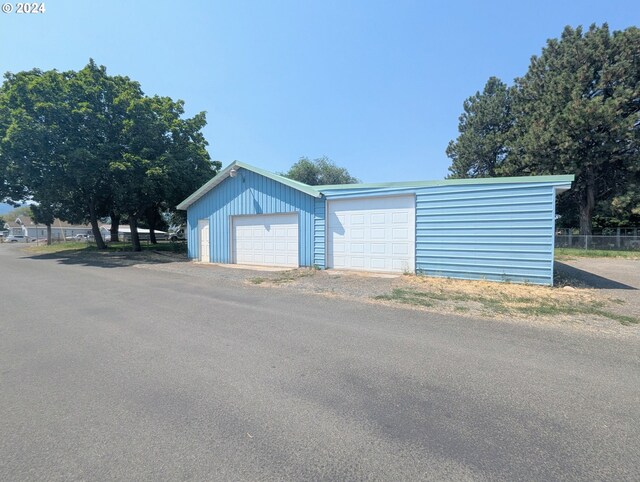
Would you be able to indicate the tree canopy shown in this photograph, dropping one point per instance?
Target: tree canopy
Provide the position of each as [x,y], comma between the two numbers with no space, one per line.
[85,145]
[575,111]
[320,171]
[481,147]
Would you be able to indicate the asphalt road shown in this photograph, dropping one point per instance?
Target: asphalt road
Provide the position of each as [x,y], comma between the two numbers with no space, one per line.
[132,374]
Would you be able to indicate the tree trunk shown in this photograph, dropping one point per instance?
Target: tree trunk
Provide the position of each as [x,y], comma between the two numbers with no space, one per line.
[152,215]
[49,234]
[135,237]
[115,226]
[587,203]
[95,229]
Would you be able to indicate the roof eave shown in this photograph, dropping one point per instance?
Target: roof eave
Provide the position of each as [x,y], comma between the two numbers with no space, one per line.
[565,178]
[222,175]
[206,187]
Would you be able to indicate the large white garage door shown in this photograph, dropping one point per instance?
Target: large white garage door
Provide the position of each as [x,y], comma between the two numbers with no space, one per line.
[372,234]
[266,239]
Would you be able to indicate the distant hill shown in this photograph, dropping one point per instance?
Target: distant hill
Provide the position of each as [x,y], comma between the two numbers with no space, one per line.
[5,208]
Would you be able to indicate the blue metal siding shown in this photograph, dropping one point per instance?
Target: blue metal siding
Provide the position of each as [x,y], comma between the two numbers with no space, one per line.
[249,193]
[496,231]
[319,233]
[501,232]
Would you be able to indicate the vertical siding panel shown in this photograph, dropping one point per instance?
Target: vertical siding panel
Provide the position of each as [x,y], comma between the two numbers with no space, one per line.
[553,236]
[319,241]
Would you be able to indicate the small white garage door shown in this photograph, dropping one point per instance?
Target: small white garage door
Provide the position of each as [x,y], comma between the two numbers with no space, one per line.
[203,228]
[372,234]
[266,239]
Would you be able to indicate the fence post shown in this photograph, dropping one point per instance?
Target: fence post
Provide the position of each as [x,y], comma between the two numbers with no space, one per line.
[618,238]
[571,238]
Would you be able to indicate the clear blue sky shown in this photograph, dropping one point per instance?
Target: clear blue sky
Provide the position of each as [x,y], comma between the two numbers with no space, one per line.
[376,86]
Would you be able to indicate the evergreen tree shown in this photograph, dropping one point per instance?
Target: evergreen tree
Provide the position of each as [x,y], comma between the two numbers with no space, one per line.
[577,112]
[480,150]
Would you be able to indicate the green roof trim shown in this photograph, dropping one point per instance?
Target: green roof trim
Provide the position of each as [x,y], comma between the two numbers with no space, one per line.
[566,178]
[225,173]
[300,186]
[317,191]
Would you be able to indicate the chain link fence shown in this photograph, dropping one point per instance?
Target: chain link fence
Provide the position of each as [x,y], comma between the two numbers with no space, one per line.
[623,239]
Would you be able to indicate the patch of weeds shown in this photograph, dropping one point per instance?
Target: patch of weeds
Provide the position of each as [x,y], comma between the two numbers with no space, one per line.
[617,301]
[541,310]
[522,299]
[293,275]
[286,276]
[411,297]
[493,305]
[528,306]
[460,297]
[623,319]
[595,308]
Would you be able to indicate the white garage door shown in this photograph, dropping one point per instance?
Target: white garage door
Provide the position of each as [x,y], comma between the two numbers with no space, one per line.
[267,239]
[372,234]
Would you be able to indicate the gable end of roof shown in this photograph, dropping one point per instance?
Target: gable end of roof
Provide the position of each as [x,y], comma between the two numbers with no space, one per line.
[226,172]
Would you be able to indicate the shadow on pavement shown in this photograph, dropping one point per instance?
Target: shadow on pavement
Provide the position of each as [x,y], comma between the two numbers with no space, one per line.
[109,259]
[591,280]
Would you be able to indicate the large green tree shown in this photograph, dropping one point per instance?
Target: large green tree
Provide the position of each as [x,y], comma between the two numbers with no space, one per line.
[320,171]
[577,111]
[480,149]
[62,131]
[93,144]
[164,160]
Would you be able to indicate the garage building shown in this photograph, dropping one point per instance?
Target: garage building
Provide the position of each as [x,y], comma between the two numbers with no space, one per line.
[498,229]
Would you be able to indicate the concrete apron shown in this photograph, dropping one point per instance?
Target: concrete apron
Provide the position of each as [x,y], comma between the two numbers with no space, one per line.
[249,267]
[331,272]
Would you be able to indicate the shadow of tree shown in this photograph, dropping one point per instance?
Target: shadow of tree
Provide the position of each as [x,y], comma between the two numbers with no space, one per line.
[120,259]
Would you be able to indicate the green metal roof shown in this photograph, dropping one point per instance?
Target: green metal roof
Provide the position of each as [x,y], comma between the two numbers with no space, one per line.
[566,178]
[316,191]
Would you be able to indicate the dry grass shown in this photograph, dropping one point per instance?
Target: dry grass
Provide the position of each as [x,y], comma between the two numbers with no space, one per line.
[495,299]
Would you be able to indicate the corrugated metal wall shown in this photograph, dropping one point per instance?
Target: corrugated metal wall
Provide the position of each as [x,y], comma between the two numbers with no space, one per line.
[249,193]
[501,232]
